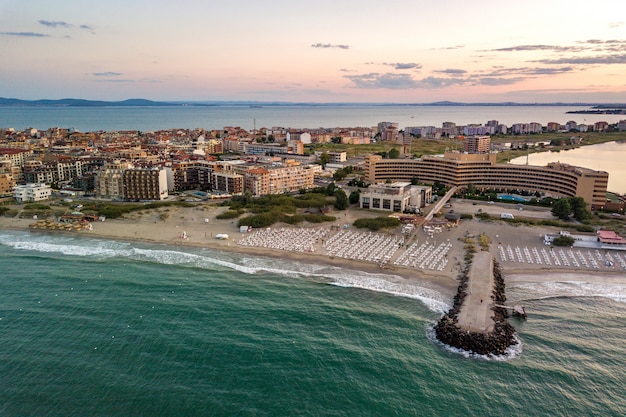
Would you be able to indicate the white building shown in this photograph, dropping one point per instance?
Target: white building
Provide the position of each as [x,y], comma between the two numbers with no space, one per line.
[397,196]
[31,192]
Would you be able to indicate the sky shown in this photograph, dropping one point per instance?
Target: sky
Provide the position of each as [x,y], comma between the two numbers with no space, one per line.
[326,51]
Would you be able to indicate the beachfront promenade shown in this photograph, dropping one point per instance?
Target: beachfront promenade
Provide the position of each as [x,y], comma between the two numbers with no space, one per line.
[476,314]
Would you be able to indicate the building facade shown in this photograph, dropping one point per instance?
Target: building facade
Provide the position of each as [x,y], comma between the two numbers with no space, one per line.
[31,192]
[477,144]
[397,196]
[144,184]
[482,171]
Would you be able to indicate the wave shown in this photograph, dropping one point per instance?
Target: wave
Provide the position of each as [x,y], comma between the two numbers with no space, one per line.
[106,249]
[568,289]
[384,283]
[511,352]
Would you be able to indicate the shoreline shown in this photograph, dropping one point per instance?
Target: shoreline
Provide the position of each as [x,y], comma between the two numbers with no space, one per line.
[149,227]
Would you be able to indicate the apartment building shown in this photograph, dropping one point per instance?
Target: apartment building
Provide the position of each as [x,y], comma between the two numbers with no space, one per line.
[477,144]
[144,184]
[108,182]
[54,172]
[192,174]
[227,182]
[31,192]
[7,184]
[290,177]
[17,156]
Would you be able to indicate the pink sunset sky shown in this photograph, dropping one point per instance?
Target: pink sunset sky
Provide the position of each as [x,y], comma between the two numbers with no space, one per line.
[315,51]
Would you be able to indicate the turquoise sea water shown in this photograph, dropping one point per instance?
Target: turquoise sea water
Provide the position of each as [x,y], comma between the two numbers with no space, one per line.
[106,328]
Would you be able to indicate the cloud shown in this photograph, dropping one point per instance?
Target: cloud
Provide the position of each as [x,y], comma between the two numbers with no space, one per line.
[504,71]
[447,48]
[587,60]
[107,74]
[405,81]
[116,80]
[494,81]
[87,27]
[329,45]
[54,24]
[407,65]
[451,71]
[438,82]
[397,65]
[25,34]
[386,81]
[553,48]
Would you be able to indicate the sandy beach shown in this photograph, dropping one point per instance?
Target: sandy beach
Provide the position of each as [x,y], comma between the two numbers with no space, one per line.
[198,227]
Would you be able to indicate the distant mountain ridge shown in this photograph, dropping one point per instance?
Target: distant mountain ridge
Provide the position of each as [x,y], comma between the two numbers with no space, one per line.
[74,102]
[139,102]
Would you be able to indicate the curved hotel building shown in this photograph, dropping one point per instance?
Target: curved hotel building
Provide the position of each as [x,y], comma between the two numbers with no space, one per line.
[481,170]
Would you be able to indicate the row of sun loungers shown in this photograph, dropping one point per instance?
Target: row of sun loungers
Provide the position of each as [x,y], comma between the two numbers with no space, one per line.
[562,257]
[372,247]
[425,256]
[290,239]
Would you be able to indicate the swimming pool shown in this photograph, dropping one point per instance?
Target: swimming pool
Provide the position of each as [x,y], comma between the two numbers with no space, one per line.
[509,197]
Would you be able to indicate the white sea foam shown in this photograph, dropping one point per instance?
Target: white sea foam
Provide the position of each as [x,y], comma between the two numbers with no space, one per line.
[389,284]
[550,289]
[430,298]
[102,249]
[66,246]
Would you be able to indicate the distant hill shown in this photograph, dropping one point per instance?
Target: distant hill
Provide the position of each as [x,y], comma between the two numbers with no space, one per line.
[138,102]
[75,102]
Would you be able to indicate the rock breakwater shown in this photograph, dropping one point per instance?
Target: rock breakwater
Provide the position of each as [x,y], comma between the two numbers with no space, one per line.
[500,335]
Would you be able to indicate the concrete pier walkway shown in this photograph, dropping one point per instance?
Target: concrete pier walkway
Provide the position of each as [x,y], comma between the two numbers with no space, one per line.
[476,314]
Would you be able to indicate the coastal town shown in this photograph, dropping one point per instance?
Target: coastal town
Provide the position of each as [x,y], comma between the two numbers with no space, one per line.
[144,166]
[425,212]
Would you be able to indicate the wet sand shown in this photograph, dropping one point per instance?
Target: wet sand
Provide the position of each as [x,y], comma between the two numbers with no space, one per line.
[198,227]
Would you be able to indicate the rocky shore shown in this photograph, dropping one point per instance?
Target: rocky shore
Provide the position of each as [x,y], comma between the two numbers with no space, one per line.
[494,342]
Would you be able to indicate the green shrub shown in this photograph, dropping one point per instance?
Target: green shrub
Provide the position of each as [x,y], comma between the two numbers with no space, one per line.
[230,214]
[259,220]
[563,241]
[36,206]
[377,223]
[483,216]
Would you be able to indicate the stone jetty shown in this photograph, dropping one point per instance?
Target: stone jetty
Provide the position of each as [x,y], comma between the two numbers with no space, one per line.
[475,322]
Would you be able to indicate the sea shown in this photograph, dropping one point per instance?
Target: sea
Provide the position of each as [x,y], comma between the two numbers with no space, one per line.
[94,327]
[89,119]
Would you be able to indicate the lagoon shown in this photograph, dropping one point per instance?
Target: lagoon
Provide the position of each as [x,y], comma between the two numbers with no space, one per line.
[607,157]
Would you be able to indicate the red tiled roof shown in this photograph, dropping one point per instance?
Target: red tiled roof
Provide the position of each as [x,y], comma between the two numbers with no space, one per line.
[608,236]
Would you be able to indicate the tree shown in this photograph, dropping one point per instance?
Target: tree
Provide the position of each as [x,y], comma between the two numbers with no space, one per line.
[579,208]
[341,199]
[324,158]
[339,175]
[562,209]
[330,189]
[394,153]
[354,196]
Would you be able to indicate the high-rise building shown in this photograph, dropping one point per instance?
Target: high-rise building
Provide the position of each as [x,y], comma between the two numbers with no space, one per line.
[477,144]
